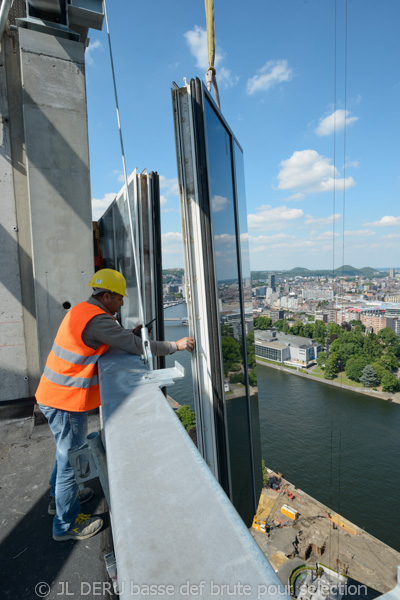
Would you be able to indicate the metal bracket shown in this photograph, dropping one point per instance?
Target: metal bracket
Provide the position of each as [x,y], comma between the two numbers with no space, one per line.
[160,376]
[93,451]
[111,566]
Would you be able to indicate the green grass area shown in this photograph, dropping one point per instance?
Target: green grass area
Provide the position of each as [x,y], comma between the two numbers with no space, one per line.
[341,378]
[272,362]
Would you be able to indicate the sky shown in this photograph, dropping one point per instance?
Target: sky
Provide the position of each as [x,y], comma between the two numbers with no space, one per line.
[314,105]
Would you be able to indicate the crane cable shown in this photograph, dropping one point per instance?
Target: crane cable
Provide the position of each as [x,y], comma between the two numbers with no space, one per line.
[211,72]
[144,332]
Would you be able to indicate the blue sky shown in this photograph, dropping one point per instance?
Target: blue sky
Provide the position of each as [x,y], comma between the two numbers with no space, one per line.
[275,70]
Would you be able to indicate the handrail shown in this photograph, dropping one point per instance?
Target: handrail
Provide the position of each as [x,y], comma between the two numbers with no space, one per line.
[173,526]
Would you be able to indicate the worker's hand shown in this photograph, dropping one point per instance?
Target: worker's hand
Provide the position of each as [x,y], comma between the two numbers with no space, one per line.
[186,343]
[137,329]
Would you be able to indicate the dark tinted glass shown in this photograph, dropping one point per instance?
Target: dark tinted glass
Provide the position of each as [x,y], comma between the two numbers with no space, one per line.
[248,314]
[231,316]
[117,251]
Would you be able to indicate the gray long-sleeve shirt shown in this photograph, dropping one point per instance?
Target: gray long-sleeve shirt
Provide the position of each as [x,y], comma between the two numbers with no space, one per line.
[103,329]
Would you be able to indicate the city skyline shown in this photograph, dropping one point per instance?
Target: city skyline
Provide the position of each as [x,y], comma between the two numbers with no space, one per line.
[315,199]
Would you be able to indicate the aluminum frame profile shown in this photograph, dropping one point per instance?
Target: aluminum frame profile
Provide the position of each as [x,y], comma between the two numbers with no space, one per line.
[195,283]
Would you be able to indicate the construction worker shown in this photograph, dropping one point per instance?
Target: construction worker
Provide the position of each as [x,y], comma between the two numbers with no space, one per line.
[69,388]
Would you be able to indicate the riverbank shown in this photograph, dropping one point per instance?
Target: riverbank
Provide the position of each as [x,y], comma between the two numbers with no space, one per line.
[387,396]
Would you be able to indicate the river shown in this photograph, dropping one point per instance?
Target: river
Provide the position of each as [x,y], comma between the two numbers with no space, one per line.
[341,447]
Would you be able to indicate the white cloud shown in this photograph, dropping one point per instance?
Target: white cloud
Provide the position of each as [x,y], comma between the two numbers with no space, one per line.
[294,198]
[353,164]
[296,244]
[327,235]
[273,218]
[163,201]
[272,73]
[322,222]
[336,120]
[360,233]
[225,238]
[219,203]
[120,175]
[99,206]
[268,239]
[170,186]
[171,236]
[226,78]
[196,39]
[311,172]
[386,221]
[172,243]
[94,45]
[391,236]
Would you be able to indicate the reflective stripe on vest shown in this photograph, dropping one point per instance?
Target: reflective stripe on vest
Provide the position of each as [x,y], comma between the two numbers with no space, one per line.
[72,357]
[77,382]
[70,380]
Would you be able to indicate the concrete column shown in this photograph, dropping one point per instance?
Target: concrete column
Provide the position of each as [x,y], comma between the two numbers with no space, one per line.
[13,359]
[57,161]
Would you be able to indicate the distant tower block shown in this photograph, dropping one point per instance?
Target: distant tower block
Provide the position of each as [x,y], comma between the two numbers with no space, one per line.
[392,273]
[271,281]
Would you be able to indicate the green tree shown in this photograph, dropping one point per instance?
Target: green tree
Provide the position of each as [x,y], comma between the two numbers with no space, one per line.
[389,361]
[226,330]
[369,377]
[357,325]
[186,416]
[230,353]
[390,383]
[253,377]
[309,330]
[319,331]
[262,323]
[297,328]
[237,378]
[387,336]
[332,366]
[321,359]
[372,346]
[379,370]
[355,366]
[286,327]
[334,329]
[279,324]
[264,472]
[251,353]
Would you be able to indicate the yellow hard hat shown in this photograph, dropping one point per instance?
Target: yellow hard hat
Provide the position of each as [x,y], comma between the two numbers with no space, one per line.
[108,279]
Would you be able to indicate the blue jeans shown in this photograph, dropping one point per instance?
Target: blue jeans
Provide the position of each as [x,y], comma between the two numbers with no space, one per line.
[70,431]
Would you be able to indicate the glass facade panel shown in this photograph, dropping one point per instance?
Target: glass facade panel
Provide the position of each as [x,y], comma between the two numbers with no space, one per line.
[117,252]
[234,303]
[248,317]
[213,208]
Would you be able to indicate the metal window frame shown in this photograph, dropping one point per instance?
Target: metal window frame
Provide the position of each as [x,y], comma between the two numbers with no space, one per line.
[202,290]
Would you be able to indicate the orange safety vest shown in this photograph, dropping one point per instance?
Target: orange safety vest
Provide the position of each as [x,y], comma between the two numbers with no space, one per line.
[70,380]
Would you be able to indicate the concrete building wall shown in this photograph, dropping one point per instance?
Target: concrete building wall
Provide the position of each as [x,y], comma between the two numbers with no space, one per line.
[14,372]
[45,222]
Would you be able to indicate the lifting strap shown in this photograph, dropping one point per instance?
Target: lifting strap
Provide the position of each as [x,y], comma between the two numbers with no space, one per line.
[210,75]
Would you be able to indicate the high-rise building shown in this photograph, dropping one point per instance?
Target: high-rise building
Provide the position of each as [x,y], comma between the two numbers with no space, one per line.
[271,281]
[392,273]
